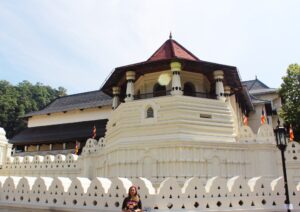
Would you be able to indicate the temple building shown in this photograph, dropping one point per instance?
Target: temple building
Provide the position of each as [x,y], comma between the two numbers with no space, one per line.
[264,99]
[173,90]
[174,125]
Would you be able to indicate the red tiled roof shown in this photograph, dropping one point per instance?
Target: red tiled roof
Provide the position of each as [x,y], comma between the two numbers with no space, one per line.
[170,50]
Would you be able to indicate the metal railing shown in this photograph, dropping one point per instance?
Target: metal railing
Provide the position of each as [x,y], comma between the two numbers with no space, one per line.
[168,93]
[151,95]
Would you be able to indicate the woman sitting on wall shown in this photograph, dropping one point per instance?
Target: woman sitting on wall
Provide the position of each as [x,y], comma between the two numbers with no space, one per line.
[132,203]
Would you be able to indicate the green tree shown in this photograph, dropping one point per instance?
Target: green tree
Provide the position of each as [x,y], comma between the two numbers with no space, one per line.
[290,93]
[16,101]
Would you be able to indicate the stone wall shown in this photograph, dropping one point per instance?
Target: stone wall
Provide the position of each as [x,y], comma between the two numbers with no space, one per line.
[254,155]
[234,194]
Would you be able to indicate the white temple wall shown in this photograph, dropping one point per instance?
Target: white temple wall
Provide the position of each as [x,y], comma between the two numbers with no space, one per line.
[66,185]
[5,148]
[212,194]
[255,117]
[199,80]
[189,159]
[193,119]
[157,163]
[146,82]
[70,116]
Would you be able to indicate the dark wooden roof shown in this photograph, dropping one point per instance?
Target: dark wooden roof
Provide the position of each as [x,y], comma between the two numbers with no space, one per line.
[255,84]
[77,101]
[59,133]
[257,89]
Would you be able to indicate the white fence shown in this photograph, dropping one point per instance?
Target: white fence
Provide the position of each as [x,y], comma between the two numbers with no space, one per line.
[235,194]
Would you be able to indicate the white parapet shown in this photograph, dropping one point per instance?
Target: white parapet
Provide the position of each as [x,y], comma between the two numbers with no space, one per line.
[103,194]
[5,147]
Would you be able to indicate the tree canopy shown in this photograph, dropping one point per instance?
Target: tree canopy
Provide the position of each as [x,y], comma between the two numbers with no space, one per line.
[290,93]
[16,101]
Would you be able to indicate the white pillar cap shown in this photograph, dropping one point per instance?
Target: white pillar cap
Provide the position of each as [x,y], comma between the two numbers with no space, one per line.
[218,74]
[175,66]
[116,90]
[130,75]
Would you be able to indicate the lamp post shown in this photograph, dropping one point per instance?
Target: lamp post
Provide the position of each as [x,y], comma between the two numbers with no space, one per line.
[282,144]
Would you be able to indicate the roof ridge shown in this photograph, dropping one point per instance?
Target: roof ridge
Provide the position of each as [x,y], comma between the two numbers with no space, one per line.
[254,81]
[186,49]
[62,97]
[157,50]
[76,94]
[172,47]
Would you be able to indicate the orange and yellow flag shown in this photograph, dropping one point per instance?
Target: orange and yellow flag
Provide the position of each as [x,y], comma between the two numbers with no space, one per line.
[94,132]
[263,118]
[77,147]
[291,133]
[245,120]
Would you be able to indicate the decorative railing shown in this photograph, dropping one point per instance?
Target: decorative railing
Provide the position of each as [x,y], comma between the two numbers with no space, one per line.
[214,194]
[44,152]
[200,94]
[167,93]
[151,95]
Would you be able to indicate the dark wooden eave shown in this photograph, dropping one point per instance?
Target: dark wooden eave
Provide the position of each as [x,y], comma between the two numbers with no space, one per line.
[118,76]
[62,133]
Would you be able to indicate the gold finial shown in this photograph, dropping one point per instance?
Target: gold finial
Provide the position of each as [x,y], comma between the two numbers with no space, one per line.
[170,36]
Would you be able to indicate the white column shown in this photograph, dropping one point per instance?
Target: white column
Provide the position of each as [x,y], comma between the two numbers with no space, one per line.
[64,146]
[227,92]
[130,77]
[219,76]
[50,147]
[25,148]
[37,147]
[116,99]
[176,81]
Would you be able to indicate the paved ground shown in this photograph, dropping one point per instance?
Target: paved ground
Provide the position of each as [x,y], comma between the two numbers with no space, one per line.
[20,209]
[12,209]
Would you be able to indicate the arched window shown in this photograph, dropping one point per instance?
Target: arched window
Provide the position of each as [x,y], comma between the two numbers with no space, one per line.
[159,90]
[189,89]
[150,113]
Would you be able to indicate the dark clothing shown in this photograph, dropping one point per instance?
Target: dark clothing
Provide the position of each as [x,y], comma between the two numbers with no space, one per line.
[129,204]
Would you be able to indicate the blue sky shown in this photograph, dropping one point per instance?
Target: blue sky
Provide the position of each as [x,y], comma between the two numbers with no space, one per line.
[76,44]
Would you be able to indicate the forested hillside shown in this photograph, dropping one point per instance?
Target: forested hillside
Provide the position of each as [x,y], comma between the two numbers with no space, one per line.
[17,100]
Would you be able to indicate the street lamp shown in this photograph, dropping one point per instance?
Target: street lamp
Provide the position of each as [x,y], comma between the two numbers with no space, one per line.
[281,143]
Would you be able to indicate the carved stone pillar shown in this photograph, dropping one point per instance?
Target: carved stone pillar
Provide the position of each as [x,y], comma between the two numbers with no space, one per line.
[176,81]
[25,148]
[116,98]
[37,147]
[50,147]
[219,76]
[130,77]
